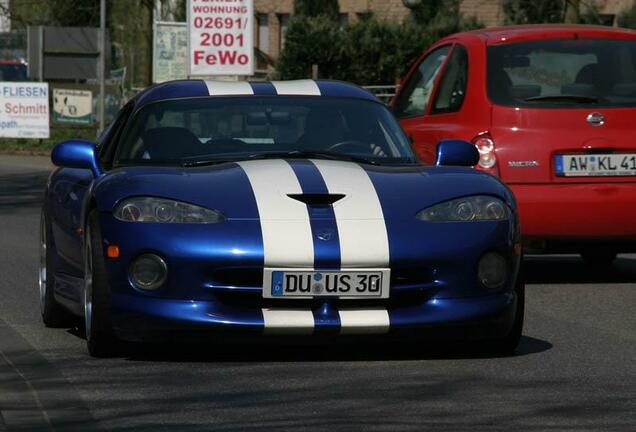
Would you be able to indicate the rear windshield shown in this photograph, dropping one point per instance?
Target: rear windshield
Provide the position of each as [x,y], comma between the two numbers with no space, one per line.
[13,72]
[233,128]
[563,73]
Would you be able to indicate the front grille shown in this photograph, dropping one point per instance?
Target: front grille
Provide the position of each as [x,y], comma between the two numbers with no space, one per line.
[255,300]
[412,277]
[252,277]
[409,286]
[248,277]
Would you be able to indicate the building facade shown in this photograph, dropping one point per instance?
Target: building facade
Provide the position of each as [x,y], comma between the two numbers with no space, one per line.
[273,15]
[490,12]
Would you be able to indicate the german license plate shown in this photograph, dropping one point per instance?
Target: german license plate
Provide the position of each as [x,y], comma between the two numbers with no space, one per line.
[303,283]
[595,165]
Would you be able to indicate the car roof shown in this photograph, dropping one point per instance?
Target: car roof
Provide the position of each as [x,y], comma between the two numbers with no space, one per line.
[202,88]
[519,33]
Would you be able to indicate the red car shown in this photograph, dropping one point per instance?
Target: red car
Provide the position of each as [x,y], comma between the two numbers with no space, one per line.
[552,111]
[13,70]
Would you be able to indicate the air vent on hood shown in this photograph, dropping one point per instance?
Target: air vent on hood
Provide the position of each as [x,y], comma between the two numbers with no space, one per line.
[317,199]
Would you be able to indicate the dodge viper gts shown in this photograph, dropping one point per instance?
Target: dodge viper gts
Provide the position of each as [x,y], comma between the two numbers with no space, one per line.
[276,210]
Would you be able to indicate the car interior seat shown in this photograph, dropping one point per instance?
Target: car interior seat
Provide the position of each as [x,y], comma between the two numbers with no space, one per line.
[165,143]
[499,84]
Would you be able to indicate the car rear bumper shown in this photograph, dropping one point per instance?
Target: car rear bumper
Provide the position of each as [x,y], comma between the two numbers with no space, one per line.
[578,214]
[137,318]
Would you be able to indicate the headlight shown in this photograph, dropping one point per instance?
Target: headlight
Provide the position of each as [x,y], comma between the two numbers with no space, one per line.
[159,210]
[472,208]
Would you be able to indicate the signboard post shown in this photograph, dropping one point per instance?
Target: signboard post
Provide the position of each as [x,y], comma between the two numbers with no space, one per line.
[170,51]
[221,37]
[24,110]
[72,106]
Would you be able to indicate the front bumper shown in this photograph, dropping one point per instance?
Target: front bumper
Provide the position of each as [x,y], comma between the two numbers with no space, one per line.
[215,282]
[144,319]
[578,214]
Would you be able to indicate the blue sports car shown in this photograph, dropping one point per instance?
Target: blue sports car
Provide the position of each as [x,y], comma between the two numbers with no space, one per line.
[237,211]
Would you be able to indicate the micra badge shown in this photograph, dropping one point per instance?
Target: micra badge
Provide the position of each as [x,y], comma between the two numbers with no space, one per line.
[523,164]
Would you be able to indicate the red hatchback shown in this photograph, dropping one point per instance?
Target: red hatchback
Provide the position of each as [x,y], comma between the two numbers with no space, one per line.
[552,111]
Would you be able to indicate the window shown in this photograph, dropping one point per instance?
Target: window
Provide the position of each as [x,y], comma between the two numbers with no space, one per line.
[414,97]
[452,87]
[343,19]
[557,73]
[263,33]
[107,142]
[606,19]
[283,20]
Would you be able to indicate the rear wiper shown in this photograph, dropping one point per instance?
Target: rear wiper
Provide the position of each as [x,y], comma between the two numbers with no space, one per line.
[563,98]
[307,154]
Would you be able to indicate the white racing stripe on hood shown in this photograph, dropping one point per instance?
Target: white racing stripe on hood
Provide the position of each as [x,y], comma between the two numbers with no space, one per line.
[229,88]
[298,87]
[287,239]
[361,227]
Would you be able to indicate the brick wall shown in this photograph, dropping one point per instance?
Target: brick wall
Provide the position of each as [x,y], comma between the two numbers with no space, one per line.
[392,10]
[491,14]
[614,7]
[488,12]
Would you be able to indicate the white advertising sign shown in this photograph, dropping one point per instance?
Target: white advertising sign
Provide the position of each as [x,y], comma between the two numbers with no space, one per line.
[24,110]
[170,56]
[221,39]
[72,106]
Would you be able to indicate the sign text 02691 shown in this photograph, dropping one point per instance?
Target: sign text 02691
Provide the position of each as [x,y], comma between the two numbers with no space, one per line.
[220,37]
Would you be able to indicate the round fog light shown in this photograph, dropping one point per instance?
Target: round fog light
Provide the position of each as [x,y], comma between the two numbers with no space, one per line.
[491,270]
[148,272]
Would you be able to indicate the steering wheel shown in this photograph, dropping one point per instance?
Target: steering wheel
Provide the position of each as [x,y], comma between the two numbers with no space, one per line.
[353,146]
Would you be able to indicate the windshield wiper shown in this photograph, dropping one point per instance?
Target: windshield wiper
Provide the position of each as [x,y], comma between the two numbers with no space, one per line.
[307,154]
[563,99]
[203,162]
[293,154]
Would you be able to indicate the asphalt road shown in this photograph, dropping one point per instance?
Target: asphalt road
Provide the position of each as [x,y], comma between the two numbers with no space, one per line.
[574,371]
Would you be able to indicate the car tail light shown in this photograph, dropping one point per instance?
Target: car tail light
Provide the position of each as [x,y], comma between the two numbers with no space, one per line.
[487,158]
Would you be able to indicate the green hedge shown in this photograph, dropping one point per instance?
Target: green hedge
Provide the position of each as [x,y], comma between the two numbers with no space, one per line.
[368,52]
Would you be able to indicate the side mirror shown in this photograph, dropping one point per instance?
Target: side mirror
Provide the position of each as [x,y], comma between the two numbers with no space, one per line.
[76,154]
[456,152]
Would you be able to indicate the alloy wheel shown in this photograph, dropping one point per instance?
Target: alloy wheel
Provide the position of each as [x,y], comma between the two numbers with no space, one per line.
[42,264]
[88,285]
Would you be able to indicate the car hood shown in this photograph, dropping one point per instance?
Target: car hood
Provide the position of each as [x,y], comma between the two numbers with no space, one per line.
[278,189]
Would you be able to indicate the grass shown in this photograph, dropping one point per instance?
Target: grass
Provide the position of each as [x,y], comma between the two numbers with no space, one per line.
[44,146]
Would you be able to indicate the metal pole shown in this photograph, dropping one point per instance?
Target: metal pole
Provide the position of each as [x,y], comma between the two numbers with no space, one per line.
[102,64]
[41,53]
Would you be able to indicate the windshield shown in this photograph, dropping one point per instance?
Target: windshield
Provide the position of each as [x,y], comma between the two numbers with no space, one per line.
[184,131]
[563,73]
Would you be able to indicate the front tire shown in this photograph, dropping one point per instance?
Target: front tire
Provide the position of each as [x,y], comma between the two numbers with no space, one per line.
[507,345]
[100,339]
[53,314]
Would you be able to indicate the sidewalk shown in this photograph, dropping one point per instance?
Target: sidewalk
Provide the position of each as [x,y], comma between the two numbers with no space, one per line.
[25,161]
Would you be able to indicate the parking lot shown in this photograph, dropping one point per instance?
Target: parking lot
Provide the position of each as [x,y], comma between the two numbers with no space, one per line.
[575,368]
